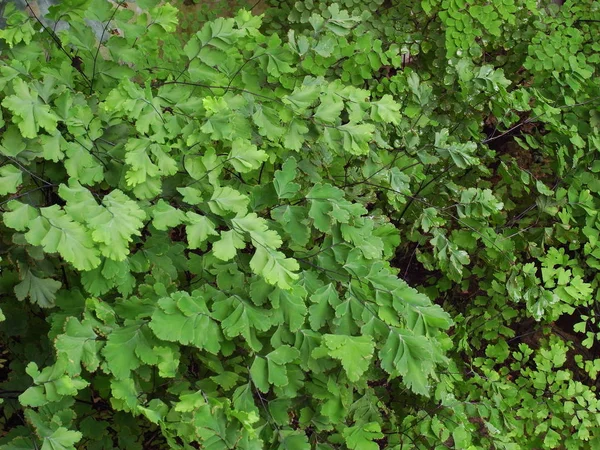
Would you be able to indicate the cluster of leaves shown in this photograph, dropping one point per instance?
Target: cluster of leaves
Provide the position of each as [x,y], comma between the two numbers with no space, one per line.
[231,237]
[193,14]
[181,233]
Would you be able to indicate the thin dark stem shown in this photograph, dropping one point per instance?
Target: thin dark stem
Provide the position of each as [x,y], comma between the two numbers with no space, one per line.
[100,44]
[27,193]
[262,167]
[56,41]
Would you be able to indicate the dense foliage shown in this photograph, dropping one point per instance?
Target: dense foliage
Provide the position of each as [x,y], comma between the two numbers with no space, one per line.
[364,225]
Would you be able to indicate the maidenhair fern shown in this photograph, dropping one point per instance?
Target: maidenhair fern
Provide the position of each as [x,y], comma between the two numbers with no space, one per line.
[359,225]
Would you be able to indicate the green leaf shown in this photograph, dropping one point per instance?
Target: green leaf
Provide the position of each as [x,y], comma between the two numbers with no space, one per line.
[190,401]
[78,346]
[340,22]
[168,360]
[165,216]
[56,232]
[165,16]
[410,356]
[127,348]
[113,224]
[61,439]
[198,229]
[302,97]
[283,179]
[278,58]
[191,195]
[121,219]
[240,318]
[10,179]
[186,319]
[20,215]
[226,248]
[289,307]
[52,146]
[354,352]
[227,380]
[292,220]
[361,437]
[156,410]
[293,440]
[330,108]
[245,157]
[140,106]
[451,258]
[274,267]
[325,300]
[33,397]
[362,237]
[41,291]
[462,437]
[272,370]
[327,206]
[141,166]
[258,229]
[81,164]
[30,113]
[386,110]
[13,142]
[226,199]
[478,203]
[325,46]
[462,154]
[268,122]
[125,393]
[56,384]
[356,137]
[295,135]
[22,32]
[543,189]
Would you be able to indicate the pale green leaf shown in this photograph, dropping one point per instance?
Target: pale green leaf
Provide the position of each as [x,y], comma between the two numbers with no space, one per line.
[20,215]
[361,437]
[198,229]
[29,111]
[61,439]
[226,199]
[302,97]
[10,179]
[56,232]
[324,300]
[226,248]
[165,216]
[258,229]
[185,318]
[245,157]
[354,352]
[330,108]
[274,267]
[410,356]
[386,110]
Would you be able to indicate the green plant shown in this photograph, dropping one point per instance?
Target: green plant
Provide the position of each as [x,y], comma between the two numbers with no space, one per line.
[234,241]
[186,260]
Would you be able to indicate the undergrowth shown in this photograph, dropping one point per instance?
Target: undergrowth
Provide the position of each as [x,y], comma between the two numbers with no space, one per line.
[356,225]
